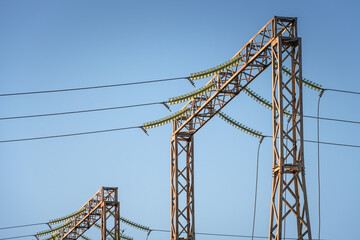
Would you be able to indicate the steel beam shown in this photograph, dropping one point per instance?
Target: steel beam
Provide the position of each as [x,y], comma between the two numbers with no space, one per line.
[288,185]
[257,55]
[182,186]
[103,205]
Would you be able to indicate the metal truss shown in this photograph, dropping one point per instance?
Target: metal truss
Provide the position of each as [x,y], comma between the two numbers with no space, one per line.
[288,145]
[182,185]
[103,205]
[256,56]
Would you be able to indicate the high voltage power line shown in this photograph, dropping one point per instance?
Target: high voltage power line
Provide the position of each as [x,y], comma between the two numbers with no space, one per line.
[82,111]
[131,106]
[93,87]
[233,62]
[330,119]
[129,84]
[228,235]
[168,231]
[139,127]
[22,236]
[342,91]
[138,105]
[318,161]
[22,226]
[69,134]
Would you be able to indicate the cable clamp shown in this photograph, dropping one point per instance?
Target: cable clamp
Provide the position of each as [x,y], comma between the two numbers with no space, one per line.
[167,106]
[191,81]
[142,128]
[321,92]
[148,234]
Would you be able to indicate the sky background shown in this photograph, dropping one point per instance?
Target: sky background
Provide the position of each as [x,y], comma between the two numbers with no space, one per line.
[66,44]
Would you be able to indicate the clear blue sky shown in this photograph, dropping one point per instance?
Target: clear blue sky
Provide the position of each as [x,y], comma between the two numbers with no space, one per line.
[65,44]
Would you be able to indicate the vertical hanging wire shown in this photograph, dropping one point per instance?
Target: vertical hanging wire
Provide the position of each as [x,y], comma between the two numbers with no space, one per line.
[318,153]
[256,185]
[148,234]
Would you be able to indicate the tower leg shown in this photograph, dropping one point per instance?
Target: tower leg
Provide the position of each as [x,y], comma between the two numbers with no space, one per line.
[110,207]
[288,158]
[117,216]
[182,186]
[103,217]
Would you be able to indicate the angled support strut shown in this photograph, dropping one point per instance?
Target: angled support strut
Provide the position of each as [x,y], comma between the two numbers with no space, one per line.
[289,198]
[275,44]
[182,186]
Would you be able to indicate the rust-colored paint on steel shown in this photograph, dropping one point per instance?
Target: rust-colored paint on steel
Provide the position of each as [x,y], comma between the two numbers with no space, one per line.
[182,186]
[288,145]
[257,55]
[103,205]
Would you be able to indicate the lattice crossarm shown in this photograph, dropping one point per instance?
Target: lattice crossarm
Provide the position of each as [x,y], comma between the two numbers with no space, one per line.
[92,214]
[254,59]
[246,76]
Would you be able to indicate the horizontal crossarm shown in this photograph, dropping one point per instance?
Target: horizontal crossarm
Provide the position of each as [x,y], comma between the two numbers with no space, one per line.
[256,56]
[93,208]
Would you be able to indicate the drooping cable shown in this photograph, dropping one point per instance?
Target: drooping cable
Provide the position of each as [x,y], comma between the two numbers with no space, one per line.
[25,225]
[266,103]
[202,74]
[332,119]
[258,134]
[256,186]
[81,111]
[23,236]
[148,234]
[159,123]
[228,235]
[318,160]
[148,104]
[69,134]
[92,87]
[333,144]
[197,233]
[342,91]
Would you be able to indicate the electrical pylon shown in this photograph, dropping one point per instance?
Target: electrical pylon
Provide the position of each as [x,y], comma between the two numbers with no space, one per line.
[275,43]
[182,185]
[103,205]
[288,144]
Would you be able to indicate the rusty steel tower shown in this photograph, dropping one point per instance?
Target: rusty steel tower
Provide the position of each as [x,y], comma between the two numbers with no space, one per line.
[276,44]
[103,207]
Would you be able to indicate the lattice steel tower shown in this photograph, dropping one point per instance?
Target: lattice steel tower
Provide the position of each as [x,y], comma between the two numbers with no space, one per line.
[103,207]
[276,44]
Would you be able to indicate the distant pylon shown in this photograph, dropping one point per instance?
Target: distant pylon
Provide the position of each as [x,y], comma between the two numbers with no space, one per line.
[103,206]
